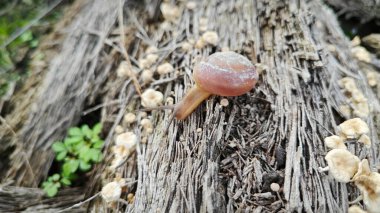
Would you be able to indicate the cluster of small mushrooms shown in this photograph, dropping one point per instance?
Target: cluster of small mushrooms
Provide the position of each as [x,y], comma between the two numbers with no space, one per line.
[346,167]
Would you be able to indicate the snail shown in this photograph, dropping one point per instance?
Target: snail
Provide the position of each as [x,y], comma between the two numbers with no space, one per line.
[223,74]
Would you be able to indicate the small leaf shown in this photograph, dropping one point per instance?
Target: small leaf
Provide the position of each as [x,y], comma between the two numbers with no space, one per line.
[84,166]
[96,155]
[61,156]
[58,147]
[65,181]
[55,177]
[46,184]
[98,144]
[75,131]
[73,140]
[84,154]
[51,191]
[70,167]
[86,131]
[97,129]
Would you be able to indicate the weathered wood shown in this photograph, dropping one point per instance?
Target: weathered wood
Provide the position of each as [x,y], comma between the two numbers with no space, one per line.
[74,76]
[220,159]
[365,10]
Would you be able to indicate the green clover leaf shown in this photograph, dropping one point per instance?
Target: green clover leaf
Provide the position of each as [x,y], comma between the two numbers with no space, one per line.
[75,131]
[86,131]
[97,129]
[58,147]
[70,167]
[84,166]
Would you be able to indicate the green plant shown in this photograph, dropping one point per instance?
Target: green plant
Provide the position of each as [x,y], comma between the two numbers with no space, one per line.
[77,152]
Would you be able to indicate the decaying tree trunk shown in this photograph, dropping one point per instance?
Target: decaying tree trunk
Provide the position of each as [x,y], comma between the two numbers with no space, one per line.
[220,159]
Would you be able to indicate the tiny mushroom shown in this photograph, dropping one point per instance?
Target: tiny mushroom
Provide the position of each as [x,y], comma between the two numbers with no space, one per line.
[125,144]
[165,68]
[356,209]
[369,186]
[210,37]
[111,191]
[151,98]
[335,142]
[147,76]
[363,169]
[364,139]
[122,70]
[353,128]
[129,118]
[147,125]
[170,12]
[275,187]
[342,164]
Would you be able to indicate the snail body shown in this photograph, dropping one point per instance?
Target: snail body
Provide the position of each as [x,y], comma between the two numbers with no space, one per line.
[223,74]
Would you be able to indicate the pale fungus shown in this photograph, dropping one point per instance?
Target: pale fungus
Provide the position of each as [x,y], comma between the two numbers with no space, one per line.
[147,76]
[170,12]
[335,142]
[119,129]
[122,70]
[342,164]
[356,209]
[111,191]
[165,68]
[186,46]
[361,54]
[151,58]
[224,102]
[369,186]
[372,78]
[353,128]
[363,169]
[191,5]
[129,118]
[151,49]
[275,187]
[147,125]
[151,98]
[125,144]
[210,37]
[364,139]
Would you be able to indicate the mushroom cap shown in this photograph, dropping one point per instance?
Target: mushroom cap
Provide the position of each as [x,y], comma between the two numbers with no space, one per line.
[363,169]
[356,209]
[111,191]
[342,164]
[335,142]
[225,74]
[369,186]
[354,127]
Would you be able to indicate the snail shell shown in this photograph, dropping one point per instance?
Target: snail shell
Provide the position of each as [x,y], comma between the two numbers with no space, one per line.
[225,74]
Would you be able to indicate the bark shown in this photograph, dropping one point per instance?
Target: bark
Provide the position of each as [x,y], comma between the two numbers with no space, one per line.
[220,159]
[365,10]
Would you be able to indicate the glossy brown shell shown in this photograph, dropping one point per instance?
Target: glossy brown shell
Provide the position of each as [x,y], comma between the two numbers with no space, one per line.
[226,74]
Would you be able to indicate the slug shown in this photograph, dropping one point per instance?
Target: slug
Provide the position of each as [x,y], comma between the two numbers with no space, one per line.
[223,74]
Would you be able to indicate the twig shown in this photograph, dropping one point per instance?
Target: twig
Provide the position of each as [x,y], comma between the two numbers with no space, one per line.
[100,106]
[124,51]
[80,203]
[7,125]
